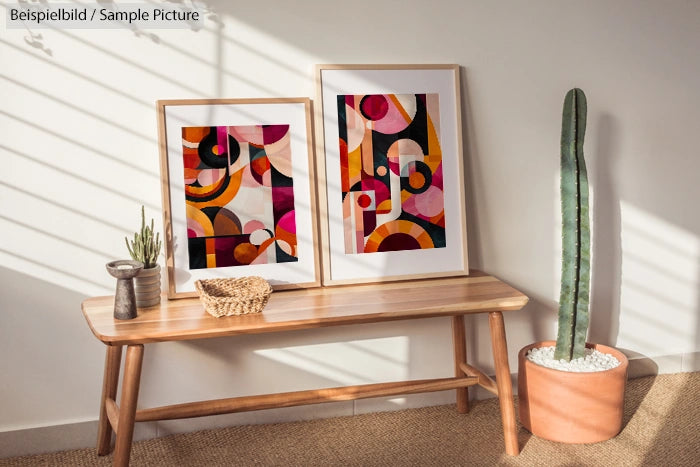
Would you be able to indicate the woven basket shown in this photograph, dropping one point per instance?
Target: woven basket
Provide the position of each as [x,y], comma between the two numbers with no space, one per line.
[226,297]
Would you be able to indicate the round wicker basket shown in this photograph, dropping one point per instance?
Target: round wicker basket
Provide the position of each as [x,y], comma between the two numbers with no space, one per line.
[227,297]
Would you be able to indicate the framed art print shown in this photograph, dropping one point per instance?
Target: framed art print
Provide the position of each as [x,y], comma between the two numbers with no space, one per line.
[238,191]
[390,171]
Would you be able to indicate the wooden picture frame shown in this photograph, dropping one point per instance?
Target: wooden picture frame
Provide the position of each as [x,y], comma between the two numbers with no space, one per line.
[238,185]
[390,171]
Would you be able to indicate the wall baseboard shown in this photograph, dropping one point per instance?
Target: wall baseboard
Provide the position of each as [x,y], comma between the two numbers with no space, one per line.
[65,437]
[640,365]
[83,435]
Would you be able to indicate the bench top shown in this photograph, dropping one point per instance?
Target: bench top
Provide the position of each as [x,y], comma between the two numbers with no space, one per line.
[186,319]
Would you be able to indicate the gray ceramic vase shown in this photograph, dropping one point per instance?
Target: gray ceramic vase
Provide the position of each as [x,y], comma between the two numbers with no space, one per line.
[124,297]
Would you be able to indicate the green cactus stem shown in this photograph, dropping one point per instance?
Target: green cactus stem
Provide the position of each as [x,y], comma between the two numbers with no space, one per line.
[576,237]
[145,247]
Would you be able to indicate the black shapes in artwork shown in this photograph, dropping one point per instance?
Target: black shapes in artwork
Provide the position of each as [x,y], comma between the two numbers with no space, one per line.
[197,250]
[436,232]
[424,170]
[206,151]
[234,150]
[342,119]
[283,257]
[278,179]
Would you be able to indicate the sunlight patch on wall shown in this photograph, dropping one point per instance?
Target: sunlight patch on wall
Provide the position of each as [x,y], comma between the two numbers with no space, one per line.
[251,62]
[348,363]
[660,284]
[78,169]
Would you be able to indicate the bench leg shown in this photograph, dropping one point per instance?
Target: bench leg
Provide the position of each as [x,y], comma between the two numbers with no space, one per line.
[109,391]
[505,390]
[460,349]
[127,409]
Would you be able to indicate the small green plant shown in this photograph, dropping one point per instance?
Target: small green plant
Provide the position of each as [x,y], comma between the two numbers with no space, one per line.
[576,236]
[145,247]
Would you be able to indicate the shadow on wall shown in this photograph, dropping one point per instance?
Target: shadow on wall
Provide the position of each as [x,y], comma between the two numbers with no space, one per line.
[645,295]
[607,250]
[44,340]
[210,22]
[36,40]
[471,171]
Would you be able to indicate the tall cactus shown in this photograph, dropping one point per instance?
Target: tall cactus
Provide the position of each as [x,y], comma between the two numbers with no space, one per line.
[576,236]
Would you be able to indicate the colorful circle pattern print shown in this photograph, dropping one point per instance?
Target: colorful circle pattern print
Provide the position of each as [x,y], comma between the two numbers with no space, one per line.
[239,195]
[391,172]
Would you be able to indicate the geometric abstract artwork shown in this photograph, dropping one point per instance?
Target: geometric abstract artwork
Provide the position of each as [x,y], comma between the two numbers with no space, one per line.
[391,172]
[239,195]
[239,192]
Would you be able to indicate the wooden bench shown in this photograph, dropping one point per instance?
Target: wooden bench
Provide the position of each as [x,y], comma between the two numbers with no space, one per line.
[186,319]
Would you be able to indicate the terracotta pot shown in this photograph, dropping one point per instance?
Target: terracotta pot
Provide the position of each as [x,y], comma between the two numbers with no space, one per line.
[147,287]
[571,407]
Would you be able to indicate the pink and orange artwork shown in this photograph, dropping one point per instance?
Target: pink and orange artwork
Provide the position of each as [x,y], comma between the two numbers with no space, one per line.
[239,195]
[391,172]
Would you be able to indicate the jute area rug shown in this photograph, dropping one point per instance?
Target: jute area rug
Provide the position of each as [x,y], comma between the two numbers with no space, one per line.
[661,428]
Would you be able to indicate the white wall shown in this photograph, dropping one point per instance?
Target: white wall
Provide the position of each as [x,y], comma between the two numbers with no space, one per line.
[79,156]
